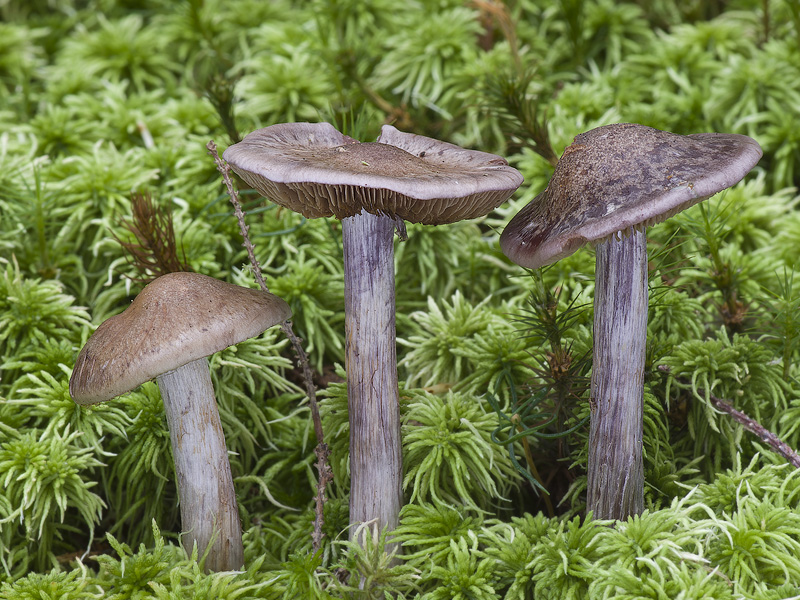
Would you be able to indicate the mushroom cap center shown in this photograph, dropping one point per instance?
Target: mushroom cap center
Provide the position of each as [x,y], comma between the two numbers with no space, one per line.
[375,157]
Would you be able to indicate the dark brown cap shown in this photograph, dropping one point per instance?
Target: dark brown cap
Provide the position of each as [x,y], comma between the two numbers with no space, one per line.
[176,319]
[313,169]
[618,177]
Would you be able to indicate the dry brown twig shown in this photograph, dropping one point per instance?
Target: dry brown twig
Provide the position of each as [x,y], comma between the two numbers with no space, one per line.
[321,451]
[753,426]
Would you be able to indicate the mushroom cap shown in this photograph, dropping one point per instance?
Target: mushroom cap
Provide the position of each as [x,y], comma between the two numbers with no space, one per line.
[619,177]
[178,318]
[313,169]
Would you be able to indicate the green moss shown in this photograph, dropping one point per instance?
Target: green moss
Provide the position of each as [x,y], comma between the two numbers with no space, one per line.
[102,98]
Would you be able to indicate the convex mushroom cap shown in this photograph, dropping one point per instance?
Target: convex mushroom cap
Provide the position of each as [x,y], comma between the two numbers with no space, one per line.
[623,176]
[313,169]
[178,318]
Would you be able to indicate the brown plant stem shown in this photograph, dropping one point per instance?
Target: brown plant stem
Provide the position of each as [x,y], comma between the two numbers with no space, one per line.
[321,451]
[754,427]
[532,466]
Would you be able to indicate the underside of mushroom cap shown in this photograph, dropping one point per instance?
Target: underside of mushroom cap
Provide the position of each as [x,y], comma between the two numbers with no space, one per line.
[178,318]
[313,169]
[619,177]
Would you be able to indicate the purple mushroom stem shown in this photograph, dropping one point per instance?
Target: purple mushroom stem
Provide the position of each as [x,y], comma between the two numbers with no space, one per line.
[609,185]
[372,188]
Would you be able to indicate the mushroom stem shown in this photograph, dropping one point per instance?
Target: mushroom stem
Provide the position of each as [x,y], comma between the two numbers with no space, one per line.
[376,492]
[205,483]
[615,468]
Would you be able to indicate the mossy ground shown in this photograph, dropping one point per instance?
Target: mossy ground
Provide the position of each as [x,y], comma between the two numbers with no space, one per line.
[102,99]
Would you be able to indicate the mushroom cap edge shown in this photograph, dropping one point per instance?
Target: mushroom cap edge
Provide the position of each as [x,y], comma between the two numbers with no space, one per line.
[177,318]
[303,167]
[528,241]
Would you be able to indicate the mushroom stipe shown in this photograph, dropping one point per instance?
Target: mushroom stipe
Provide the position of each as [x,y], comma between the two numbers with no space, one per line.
[610,184]
[166,333]
[313,169]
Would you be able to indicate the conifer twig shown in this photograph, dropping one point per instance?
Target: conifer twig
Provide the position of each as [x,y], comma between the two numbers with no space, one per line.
[754,427]
[321,451]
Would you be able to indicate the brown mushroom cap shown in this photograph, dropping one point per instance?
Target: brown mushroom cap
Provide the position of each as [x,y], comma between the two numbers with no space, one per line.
[176,319]
[618,177]
[313,169]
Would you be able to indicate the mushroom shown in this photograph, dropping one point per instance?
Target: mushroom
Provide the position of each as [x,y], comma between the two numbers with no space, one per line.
[372,188]
[166,333]
[608,186]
